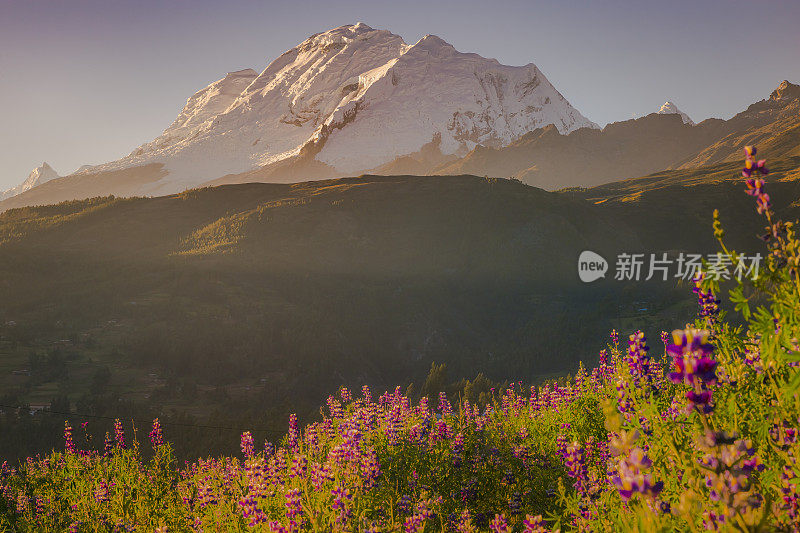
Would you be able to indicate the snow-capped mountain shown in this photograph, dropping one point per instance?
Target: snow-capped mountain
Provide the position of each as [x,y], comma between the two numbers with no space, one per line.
[669,108]
[352,98]
[38,175]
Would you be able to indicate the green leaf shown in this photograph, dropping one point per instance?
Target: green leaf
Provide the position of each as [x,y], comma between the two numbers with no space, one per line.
[792,387]
[741,302]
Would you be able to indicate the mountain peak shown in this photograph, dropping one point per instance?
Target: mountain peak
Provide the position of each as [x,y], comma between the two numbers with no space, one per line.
[348,31]
[786,90]
[352,98]
[43,171]
[433,45]
[41,174]
[433,39]
[358,27]
[669,108]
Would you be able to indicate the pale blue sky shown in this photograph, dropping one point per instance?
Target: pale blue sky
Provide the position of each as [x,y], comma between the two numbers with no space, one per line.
[84,82]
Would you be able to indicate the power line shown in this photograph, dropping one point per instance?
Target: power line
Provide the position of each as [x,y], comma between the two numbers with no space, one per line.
[183,424]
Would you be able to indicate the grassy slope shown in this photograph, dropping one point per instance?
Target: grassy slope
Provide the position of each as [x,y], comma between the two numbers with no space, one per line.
[683,201]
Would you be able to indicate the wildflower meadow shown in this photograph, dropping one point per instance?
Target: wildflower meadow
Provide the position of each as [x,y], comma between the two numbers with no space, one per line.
[694,431]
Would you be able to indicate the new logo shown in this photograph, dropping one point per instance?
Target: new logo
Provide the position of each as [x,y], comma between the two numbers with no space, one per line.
[591,266]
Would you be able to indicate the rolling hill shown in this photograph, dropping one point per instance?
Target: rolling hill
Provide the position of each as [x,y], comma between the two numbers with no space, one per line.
[216,300]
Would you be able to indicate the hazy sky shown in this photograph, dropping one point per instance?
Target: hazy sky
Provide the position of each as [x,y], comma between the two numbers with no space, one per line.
[85,82]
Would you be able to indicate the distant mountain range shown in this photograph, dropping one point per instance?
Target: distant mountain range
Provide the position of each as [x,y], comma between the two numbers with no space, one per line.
[355,100]
[350,99]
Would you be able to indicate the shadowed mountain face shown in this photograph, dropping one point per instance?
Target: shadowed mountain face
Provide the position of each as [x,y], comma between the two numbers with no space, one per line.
[772,124]
[544,158]
[587,157]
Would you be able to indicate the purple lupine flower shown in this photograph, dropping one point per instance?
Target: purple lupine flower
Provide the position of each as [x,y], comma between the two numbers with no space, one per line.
[499,524]
[101,492]
[299,466]
[464,524]
[404,504]
[294,432]
[205,493]
[335,407]
[575,461]
[763,203]
[119,434]
[783,435]
[444,405]
[691,353]
[366,394]
[251,512]
[638,357]
[561,443]
[790,492]
[413,524]
[632,476]
[108,445]
[69,446]
[156,435]
[294,508]
[706,300]
[246,445]
[533,524]
[416,522]
[341,497]
[370,468]
[729,464]
[700,400]
[755,186]
[692,363]
[752,166]
[344,394]
[41,507]
[457,448]
[22,502]
[623,397]
[515,503]
[320,474]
